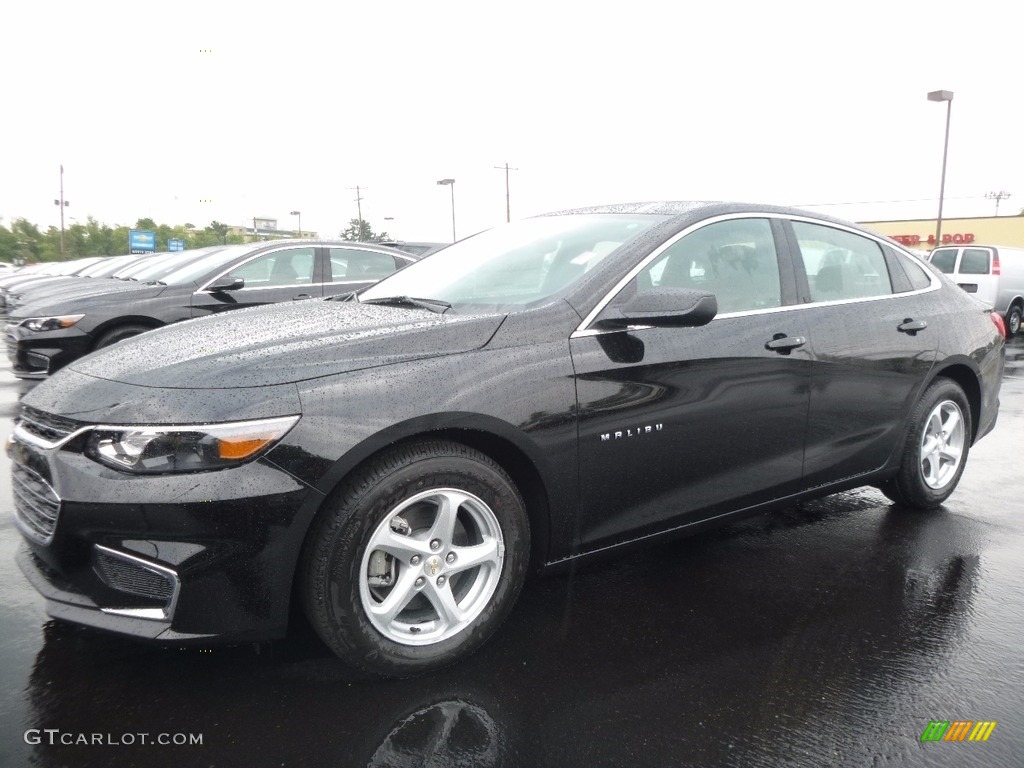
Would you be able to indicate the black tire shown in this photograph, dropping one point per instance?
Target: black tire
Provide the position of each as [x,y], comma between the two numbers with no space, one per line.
[120,333]
[1013,317]
[333,565]
[909,487]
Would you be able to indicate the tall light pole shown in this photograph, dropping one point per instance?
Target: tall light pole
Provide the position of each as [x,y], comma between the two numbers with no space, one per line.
[946,96]
[63,204]
[299,214]
[508,205]
[450,183]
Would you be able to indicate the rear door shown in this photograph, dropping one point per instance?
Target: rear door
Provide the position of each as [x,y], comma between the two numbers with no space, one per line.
[873,338]
[973,268]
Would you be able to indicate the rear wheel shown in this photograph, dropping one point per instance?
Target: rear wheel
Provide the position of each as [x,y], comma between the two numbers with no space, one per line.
[417,559]
[120,333]
[936,448]
[1013,320]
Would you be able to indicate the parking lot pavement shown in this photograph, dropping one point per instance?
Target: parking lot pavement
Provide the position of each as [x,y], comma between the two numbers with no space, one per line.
[828,633]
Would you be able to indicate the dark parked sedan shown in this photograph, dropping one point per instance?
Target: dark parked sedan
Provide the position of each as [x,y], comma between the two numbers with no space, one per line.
[47,334]
[539,393]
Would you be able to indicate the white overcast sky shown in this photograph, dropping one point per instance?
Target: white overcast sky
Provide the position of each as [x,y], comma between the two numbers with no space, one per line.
[594,102]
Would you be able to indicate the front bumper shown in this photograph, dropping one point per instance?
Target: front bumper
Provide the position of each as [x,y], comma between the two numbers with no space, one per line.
[35,355]
[169,557]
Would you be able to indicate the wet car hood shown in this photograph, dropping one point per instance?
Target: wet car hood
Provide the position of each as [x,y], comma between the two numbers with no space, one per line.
[73,299]
[283,343]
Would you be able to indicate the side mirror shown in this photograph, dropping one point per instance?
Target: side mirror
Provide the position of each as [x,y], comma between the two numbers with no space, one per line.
[667,307]
[227,283]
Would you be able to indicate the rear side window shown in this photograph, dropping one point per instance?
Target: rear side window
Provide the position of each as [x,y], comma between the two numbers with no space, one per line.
[918,277]
[974,261]
[944,259]
[840,264]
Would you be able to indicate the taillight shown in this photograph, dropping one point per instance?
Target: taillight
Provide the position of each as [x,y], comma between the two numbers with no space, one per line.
[999,323]
[995,264]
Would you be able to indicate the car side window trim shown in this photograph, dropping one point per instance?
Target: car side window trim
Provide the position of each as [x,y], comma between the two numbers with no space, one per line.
[584,329]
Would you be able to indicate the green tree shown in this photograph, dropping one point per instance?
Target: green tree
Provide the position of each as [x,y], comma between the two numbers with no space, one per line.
[361,231]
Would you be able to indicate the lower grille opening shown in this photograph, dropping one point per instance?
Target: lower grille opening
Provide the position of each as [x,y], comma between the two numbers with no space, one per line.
[36,504]
[146,590]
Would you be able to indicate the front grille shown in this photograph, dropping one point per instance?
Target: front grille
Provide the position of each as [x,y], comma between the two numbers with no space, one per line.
[135,579]
[36,504]
[47,426]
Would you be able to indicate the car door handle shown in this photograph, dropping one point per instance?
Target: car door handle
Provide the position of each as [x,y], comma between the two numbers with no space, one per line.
[300,296]
[911,326]
[784,344]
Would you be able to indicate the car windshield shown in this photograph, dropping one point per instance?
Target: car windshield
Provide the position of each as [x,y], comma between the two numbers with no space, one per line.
[107,266]
[160,269]
[515,265]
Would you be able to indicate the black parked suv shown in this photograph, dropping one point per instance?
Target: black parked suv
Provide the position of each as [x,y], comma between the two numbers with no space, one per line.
[46,335]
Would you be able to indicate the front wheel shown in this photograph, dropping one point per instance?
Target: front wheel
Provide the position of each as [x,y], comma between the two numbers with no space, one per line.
[417,559]
[937,444]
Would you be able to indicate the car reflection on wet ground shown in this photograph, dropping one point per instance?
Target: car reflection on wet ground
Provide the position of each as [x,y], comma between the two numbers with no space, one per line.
[828,633]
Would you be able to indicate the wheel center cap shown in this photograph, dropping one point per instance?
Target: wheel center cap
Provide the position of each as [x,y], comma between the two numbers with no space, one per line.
[433,565]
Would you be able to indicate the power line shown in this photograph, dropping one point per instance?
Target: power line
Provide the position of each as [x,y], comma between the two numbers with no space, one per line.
[879,202]
[998,197]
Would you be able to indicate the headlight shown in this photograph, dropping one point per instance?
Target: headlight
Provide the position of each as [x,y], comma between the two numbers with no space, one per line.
[187,448]
[50,323]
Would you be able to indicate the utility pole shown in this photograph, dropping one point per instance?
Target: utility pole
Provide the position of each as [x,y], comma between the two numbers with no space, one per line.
[64,204]
[508,205]
[998,197]
[359,208]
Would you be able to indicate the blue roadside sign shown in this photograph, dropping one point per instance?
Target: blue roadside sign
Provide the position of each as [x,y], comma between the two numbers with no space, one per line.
[175,244]
[140,241]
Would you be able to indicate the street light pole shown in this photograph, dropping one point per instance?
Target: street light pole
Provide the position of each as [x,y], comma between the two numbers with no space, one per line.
[946,96]
[299,214]
[450,183]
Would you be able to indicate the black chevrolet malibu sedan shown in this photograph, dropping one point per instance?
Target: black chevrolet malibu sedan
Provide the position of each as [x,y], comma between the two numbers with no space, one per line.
[51,330]
[397,462]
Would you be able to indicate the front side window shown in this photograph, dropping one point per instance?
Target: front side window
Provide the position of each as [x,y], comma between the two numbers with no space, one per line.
[974,261]
[735,260]
[840,264]
[944,260]
[293,266]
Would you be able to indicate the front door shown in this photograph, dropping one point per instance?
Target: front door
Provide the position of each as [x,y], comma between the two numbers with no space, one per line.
[288,274]
[681,424]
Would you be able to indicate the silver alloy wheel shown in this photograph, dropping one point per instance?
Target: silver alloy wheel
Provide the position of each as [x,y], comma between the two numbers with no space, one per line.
[431,566]
[1014,323]
[942,444]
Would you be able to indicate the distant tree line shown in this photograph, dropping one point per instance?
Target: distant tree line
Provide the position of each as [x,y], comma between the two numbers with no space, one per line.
[23,241]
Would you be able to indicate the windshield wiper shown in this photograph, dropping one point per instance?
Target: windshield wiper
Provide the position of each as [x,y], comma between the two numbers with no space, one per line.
[434,305]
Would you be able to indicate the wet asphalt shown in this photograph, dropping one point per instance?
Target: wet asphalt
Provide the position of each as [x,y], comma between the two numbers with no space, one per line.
[828,633]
